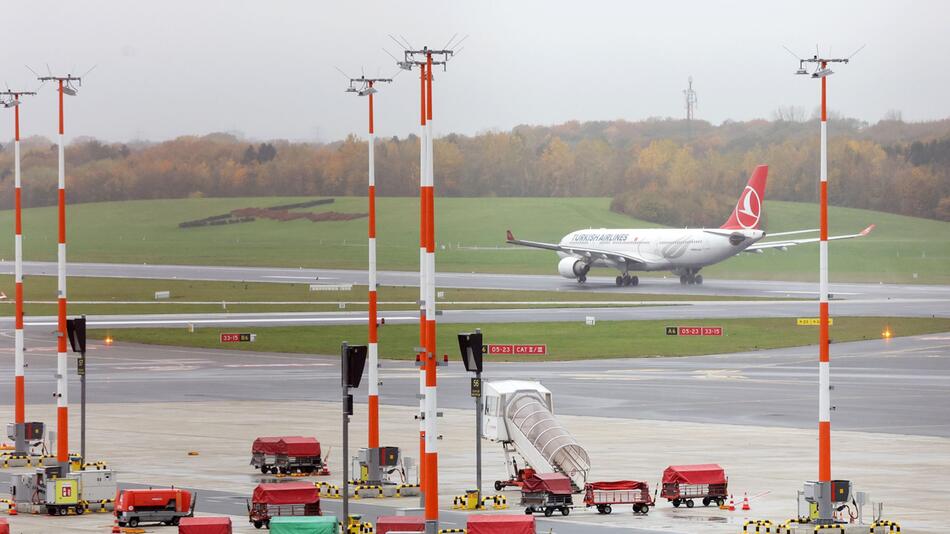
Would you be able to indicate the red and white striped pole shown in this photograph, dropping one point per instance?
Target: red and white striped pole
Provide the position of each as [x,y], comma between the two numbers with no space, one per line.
[373,387]
[432,455]
[62,384]
[19,379]
[824,376]
[422,280]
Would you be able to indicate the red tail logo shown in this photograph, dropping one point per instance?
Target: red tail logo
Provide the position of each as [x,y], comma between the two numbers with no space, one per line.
[748,211]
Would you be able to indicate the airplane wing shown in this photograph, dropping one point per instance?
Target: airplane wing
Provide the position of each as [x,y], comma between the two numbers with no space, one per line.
[584,252]
[783,245]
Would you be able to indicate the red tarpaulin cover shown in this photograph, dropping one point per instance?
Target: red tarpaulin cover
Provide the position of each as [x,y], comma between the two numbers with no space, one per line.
[4,527]
[400,523]
[298,446]
[205,525]
[268,444]
[618,485]
[501,524]
[555,483]
[694,474]
[286,493]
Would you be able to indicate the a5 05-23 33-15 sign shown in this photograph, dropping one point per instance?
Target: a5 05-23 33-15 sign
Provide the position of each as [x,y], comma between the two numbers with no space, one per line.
[694,330]
[237,338]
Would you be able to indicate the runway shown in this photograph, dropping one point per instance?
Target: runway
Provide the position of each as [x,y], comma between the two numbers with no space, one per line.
[737,288]
[896,386]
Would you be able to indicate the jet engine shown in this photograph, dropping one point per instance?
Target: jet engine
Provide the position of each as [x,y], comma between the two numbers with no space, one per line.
[571,267]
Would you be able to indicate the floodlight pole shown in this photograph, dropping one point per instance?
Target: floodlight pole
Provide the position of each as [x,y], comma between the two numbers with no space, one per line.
[62,382]
[366,87]
[19,386]
[423,284]
[423,58]
[826,514]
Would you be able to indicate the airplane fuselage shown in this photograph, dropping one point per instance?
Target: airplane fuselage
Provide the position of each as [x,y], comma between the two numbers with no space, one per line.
[660,249]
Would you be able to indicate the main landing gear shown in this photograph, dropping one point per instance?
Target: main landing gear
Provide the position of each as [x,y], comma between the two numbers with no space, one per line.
[627,280]
[691,278]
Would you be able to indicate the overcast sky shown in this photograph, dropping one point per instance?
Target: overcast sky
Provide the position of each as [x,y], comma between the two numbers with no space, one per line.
[266,68]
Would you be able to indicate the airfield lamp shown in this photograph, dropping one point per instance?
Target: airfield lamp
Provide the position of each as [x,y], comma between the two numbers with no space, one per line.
[76,331]
[473,352]
[352,361]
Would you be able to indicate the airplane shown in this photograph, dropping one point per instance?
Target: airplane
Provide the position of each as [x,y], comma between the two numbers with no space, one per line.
[682,251]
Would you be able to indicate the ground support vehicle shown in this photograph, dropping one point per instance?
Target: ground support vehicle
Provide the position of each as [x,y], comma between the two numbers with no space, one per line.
[296,454]
[516,480]
[604,495]
[547,493]
[153,505]
[263,453]
[205,525]
[327,524]
[286,499]
[500,524]
[683,484]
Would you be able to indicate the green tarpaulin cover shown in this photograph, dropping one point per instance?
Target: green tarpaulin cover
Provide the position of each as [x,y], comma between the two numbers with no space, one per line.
[312,524]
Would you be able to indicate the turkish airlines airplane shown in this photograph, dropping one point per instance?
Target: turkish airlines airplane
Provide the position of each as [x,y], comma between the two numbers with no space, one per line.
[682,251]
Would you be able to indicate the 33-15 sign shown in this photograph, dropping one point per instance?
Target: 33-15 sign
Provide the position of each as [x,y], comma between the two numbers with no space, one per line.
[694,330]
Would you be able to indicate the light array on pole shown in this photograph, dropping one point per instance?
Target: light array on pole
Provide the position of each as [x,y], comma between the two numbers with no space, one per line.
[822,71]
[426,59]
[19,386]
[367,87]
[66,85]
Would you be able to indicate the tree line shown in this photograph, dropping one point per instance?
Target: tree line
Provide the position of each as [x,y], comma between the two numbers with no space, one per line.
[669,171]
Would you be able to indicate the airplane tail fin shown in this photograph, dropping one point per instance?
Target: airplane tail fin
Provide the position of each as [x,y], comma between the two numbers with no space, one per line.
[748,211]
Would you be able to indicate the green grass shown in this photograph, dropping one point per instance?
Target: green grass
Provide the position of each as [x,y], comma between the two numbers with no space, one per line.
[147,232]
[565,341]
[136,296]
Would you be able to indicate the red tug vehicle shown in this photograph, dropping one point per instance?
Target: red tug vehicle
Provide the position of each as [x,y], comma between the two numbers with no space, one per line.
[683,483]
[282,499]
[516,480]
[605,494]
[153,505]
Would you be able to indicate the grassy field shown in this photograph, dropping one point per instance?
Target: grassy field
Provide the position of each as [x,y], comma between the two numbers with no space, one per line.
[136,296]
[565,341]
[470,234]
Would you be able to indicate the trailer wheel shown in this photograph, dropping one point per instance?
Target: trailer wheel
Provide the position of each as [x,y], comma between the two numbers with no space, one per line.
[133,522]
[607,509]
[689,503]
[720,501]
[264,469]
[175,521]
[706,501]
[258,524]
[80,509]
[676,503]
[548,512]
[644,509]
[565,510]
[498,485]
[528,511]
[62,510]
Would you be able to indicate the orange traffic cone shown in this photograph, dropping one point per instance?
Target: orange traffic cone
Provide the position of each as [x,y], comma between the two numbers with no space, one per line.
[745,502]
[115,527]
[732,504]
[12,509]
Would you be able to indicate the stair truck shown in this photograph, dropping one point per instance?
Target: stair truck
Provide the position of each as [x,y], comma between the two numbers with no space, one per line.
[282,499]
[683,483]
[153,505]
[604,495]
[519,414]
[547,492]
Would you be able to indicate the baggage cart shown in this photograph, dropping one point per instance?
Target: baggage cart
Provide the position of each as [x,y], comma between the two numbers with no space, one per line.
[683,484]
[547,493]
[278,500]
[604,495]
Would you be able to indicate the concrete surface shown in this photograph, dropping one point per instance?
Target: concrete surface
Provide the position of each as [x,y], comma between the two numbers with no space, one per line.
[149,444]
